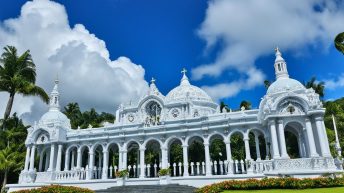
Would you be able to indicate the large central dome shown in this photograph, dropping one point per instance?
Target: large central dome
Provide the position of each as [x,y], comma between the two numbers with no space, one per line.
[284,84]
[187,91]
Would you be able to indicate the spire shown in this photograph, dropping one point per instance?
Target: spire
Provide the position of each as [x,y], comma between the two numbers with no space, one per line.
[337,144]
[185,79]
[152,87]
[280,65]
[54,97]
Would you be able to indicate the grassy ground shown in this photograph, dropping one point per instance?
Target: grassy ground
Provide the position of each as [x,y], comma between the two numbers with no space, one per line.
[320,190]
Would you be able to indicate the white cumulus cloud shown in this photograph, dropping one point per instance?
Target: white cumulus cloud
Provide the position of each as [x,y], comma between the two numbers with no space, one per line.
[336,83]
[249,29]
[86,73]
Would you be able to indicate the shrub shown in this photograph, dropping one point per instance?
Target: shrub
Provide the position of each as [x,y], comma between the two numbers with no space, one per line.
[122,173]
[272,183]
[164,172]
[57,189]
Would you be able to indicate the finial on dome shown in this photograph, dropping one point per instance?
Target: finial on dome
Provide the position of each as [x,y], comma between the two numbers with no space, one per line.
[153,80]
[185,79]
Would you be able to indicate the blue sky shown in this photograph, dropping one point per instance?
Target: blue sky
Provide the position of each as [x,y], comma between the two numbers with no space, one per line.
[165,36]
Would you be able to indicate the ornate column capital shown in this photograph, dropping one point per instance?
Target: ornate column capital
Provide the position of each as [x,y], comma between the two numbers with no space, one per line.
[272,122]
[280,121]
[319,118]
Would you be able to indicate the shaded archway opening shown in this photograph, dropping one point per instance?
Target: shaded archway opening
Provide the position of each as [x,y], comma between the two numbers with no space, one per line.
[43,160]
[133,159]
[73,154]
[257,153]
[98,162]
[238,152]
[293,139]
[217,154]
[153,158]
[113,163]
[196,156]
[176,157]
[85,157]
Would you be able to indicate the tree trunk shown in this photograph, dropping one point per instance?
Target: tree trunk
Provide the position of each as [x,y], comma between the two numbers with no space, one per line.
[8,109]
[4,182]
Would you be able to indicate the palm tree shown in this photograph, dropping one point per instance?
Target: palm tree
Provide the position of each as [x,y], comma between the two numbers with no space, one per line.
[267,83]
[224,106]
[72,111]
[9,160]
[18,75]
[339,42]
[246,104]
[318,87]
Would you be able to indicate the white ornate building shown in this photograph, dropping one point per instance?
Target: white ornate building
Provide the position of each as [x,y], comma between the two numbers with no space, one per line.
[56,153]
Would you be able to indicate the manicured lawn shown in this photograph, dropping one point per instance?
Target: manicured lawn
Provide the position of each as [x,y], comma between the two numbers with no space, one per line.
[319,190]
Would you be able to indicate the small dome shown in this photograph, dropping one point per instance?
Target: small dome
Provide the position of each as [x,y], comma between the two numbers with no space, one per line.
[52,117]
[187,91]
[284,84]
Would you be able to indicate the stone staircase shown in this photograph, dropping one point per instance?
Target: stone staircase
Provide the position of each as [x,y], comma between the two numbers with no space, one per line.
[171,188]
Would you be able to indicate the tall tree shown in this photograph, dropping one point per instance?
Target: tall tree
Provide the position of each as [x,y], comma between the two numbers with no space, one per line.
[72,111]
[318,87]
[10,159]
[246,104]
[339,42]
[18,75]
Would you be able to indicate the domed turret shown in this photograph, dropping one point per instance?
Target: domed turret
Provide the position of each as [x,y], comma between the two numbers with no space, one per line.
[54,117]
[283,82]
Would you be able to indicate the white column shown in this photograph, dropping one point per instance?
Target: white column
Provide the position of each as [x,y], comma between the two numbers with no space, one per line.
[32,158]
[52,156]
[59,158]
[72,165]
[207,159]
[281,136]
[228,150]
[125,164]
[185,160]
[257,146]
[273,135]
[27,158]
[90,164]
[310,137]
[66,168]
[105,164]
[267,150]
[164,157]
[142,162]
[324,147]
[247,148]
[78,160]
[120,159]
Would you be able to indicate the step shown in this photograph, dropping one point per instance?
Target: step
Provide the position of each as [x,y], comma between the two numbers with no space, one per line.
[172,188]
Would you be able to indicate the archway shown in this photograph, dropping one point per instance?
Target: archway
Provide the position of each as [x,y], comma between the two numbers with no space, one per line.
[85,154]
[44,158]
[175,157]
[133,158]
[294,140]
[153,158]
[73,154]
[258,145]
[113,163]
[238,152]
[217,154]
[196,155]
[98,161]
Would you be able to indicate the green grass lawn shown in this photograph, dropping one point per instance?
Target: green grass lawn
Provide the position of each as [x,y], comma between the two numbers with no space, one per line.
[319,190]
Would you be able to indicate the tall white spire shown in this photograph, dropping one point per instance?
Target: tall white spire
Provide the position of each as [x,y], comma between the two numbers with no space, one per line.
[54,104]
[281,70]
[185,79]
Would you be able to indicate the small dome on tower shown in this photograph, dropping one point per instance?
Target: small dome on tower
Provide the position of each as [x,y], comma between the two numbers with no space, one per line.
[187,91]
[54,116]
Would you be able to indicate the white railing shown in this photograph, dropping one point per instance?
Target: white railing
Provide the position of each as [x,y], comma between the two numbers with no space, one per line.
[75,174]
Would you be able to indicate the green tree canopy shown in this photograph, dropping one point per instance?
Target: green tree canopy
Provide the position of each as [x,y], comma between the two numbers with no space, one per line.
[339,42]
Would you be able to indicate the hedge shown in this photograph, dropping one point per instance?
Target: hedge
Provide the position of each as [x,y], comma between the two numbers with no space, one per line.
[57,189]
[272,183]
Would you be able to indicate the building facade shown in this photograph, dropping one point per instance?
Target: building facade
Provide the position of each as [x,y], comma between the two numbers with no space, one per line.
[144,132]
